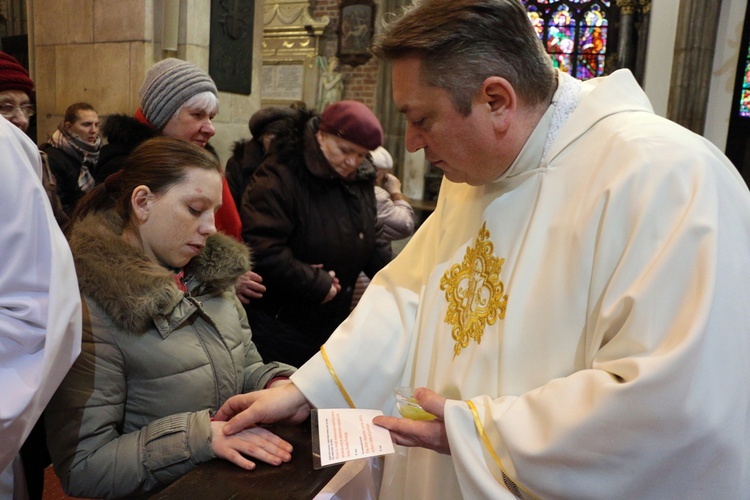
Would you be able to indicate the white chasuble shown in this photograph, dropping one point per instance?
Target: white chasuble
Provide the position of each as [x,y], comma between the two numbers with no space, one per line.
[583,314]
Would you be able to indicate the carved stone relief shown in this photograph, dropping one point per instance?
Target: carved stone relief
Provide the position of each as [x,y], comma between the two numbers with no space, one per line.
[290,50]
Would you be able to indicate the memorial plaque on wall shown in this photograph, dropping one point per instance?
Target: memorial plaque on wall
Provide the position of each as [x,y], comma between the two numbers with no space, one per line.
[282,82]
[230,59]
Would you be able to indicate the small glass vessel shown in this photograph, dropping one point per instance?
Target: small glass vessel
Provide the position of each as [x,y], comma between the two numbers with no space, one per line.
[407,404]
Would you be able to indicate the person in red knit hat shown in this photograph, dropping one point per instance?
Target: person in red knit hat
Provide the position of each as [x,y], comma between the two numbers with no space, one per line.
[16,91]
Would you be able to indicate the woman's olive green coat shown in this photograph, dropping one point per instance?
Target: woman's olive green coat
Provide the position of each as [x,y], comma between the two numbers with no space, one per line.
[133,414]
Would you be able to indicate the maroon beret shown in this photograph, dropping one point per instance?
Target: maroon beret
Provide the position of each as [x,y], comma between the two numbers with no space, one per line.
[13,76]
[353,121]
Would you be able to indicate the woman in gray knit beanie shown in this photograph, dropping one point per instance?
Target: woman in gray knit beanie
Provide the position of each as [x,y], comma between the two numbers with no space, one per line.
[180,100]
[170,85]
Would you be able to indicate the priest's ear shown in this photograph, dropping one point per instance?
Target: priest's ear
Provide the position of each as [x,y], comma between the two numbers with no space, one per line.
[501,100]
[140,200]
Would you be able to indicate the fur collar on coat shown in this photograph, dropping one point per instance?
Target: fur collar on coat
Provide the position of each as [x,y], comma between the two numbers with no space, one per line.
[247,153]
[130,288]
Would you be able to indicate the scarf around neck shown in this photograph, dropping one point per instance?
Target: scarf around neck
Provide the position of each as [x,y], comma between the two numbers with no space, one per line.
[75,147]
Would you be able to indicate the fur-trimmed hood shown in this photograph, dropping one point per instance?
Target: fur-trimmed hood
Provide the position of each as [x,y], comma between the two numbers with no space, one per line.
[248,154]
[134,291]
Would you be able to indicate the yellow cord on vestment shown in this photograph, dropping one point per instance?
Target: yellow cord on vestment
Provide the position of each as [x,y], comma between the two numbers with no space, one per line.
[336,378]
[488,445]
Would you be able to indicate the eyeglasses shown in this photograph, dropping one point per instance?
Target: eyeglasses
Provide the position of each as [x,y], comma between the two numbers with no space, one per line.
[8,109]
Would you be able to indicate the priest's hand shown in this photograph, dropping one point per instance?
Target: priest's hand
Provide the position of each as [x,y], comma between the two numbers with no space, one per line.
[284,404]
[428,434]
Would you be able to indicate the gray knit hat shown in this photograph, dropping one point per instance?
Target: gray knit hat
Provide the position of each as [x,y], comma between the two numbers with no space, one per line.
[168,84]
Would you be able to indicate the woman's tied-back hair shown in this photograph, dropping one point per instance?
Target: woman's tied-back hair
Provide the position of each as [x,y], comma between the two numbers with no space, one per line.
[463,42]
[158,163]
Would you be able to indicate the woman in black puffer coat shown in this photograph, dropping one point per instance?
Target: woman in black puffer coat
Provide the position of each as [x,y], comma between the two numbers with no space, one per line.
[309,214]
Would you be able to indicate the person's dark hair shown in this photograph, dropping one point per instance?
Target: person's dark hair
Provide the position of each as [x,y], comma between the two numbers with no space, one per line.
[158,163]
[71,114]
[275,128]
[299,105]
[463,42]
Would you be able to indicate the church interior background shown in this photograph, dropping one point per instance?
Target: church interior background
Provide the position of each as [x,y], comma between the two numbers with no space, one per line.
[692,58]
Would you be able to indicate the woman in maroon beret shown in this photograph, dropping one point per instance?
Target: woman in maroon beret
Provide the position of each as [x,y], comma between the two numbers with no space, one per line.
[309,214]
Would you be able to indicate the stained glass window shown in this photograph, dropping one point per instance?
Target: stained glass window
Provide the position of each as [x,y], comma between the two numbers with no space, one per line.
[745,94]
[574,33]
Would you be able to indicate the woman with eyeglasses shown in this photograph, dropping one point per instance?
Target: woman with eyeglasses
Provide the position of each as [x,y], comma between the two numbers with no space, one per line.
[309,215]
[17,114]
[16,89]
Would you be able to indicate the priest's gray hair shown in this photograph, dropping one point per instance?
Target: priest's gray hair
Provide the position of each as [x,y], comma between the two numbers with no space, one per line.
[463,42]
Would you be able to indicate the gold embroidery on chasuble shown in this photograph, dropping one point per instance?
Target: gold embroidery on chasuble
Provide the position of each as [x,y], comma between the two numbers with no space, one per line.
[474,292]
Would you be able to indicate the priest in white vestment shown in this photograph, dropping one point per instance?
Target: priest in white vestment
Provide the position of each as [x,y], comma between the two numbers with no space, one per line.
[577,304]
[40,307]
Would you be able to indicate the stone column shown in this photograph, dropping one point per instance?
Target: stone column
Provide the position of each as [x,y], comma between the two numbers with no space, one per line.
[697,27]
[97,52]
[633,35]
[645,21]
[625,49]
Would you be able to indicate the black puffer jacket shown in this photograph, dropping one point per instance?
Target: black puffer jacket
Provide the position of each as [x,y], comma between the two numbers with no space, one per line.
[298,214]
[123,134]
[247,155]
[66,170]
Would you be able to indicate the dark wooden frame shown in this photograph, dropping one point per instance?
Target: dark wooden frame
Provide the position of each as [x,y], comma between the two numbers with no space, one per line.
[356,27]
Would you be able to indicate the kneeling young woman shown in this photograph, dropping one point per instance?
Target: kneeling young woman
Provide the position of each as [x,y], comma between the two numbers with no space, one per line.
[165,341]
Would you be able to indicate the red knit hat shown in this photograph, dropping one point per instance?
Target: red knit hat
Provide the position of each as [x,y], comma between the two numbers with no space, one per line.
[353,121]
[13,76]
